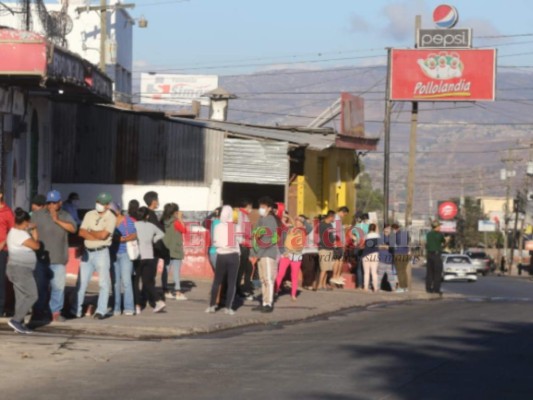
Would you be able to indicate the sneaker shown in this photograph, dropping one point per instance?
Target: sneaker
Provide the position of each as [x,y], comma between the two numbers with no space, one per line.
[138,310]
[250,297]
[98,316]
[180,296]
[267,309]
[159,306]
[169,295]
[130,313]
[17,326]
[211,309]
[229,311]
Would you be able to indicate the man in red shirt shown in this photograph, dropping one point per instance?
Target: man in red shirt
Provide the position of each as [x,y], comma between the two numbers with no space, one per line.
[7,221]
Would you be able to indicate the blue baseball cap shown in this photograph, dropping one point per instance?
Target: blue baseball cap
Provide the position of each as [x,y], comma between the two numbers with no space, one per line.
[53,196]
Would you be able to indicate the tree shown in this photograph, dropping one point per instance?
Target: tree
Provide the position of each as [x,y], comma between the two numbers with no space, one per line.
[368,198]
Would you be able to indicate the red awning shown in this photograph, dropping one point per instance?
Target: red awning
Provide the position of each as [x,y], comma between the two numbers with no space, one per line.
[29,60]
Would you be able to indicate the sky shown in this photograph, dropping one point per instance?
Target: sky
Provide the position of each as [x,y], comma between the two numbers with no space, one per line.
[227,37]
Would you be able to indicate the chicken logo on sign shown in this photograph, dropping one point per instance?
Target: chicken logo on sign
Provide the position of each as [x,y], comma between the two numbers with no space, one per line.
[442,66]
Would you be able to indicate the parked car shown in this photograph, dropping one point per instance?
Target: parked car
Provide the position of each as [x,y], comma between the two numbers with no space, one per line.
[483,262]
[458,267]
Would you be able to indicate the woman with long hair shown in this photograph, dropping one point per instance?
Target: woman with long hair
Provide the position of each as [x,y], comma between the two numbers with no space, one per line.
[22,242]
[174,230]
[371,258]
[146,269]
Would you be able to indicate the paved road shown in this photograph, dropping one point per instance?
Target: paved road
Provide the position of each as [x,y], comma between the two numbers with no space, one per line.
[445,349]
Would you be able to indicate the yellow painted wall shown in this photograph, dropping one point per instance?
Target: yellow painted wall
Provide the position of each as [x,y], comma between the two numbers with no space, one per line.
[331,189]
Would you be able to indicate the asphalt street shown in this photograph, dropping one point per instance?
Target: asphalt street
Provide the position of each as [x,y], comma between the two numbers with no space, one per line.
[476,348]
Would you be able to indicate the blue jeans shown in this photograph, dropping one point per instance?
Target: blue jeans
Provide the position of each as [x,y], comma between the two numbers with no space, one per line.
[100,262]
[175,265]
[57,287]
[123,280]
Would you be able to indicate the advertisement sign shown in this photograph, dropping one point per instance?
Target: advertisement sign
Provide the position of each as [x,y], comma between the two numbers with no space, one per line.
[451,75]
[352,115]
[486,226]
[444,38]
[445,16]
[447,210]
[170,89]
[448,226]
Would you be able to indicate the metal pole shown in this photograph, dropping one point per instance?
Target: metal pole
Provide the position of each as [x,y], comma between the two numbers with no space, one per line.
[386,142]
[103,34]
[412,148]
[516,207]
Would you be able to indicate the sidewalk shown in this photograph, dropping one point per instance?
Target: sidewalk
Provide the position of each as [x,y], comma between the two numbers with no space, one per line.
[185,318]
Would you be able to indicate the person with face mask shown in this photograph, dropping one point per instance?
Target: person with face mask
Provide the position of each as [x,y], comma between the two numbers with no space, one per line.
[265,249]
[244,233]
[97,229]
[53,225]
[71,206]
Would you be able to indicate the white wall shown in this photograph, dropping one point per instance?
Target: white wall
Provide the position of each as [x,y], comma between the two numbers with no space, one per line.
[189,198]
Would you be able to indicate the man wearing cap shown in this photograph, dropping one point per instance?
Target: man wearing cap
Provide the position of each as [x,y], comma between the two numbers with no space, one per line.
[97,229]
[53,226]
[434,243]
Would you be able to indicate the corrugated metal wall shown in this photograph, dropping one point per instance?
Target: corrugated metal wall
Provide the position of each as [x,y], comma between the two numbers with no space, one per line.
[94,144]
[251,161]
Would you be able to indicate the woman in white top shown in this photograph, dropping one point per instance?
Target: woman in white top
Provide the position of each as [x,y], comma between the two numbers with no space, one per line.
[22,242]
[146,268]
[371,258]
[228,257]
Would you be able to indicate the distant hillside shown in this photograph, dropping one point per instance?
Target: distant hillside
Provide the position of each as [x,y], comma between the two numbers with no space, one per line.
[455,140]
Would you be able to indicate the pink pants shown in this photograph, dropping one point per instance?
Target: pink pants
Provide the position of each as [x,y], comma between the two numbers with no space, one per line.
[284,263]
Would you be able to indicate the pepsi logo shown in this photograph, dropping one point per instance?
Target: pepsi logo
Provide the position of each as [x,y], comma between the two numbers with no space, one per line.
[448,210]
[445,16]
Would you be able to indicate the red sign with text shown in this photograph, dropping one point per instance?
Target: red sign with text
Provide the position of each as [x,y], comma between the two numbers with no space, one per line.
[451,75]
[448,210]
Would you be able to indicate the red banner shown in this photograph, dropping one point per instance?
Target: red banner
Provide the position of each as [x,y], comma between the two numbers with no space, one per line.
[451,75]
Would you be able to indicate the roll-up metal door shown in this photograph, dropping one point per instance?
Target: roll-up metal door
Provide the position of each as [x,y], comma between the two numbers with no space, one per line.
[252,161]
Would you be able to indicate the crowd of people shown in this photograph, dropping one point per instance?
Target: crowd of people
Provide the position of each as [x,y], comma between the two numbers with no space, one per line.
[125,248]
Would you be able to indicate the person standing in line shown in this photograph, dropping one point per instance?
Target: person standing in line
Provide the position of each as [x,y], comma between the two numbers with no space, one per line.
[133,209]
[265,249]
[359,233]
[434,243]
[37,203]
[71,206]
[340,244]
[53,225]
[295,242]
[147,234]
[173,240]
[22,242]
[370,258]
[214,220]
[386,258]
[123,265]
[310,267]
[228,259]
[401,258]
[7,221]
[326,247]
[244,236]
[97,230]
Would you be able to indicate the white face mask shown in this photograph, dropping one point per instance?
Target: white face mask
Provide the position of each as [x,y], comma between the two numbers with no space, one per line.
[99,208]
[263,212]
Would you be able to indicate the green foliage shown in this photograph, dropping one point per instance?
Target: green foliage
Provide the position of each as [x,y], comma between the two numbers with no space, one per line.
[368,198]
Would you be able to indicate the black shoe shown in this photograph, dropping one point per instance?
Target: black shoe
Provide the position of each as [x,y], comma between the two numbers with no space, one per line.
[258,308]
[267,309]
[98,316]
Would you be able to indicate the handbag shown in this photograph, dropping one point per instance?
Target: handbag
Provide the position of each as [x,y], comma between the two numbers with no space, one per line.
[132,247]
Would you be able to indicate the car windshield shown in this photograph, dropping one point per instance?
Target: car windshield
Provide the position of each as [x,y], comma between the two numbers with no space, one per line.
[477,255]
[457,260]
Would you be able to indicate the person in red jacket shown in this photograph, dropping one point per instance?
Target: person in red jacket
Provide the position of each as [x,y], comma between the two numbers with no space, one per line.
[7,221]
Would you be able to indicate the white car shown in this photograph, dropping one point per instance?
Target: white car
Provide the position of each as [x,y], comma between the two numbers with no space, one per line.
[458,267]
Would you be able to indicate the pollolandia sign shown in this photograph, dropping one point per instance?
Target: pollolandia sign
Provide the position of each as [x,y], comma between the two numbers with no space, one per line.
[447,210]
[451,75]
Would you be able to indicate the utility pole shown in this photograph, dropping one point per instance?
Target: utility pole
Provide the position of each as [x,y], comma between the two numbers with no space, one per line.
[412,149]
[386,144]
[103,8]
[430,200]
[482,191]
[508,174]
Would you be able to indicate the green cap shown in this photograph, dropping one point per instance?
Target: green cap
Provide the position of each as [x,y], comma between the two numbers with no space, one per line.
[104,198]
